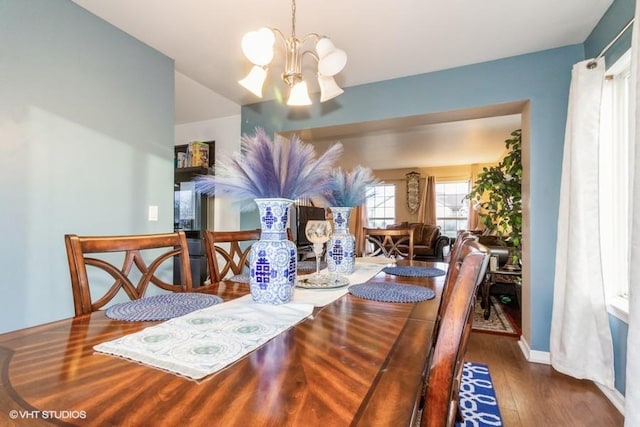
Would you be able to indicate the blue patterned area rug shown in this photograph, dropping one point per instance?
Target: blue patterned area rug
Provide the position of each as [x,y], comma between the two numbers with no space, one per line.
[478,403]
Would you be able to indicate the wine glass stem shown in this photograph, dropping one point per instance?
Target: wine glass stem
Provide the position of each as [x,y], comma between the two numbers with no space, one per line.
[317,248]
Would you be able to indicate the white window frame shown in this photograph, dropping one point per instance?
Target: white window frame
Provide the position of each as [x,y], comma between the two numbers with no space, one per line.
[614,177]
[456,218]
[381,194]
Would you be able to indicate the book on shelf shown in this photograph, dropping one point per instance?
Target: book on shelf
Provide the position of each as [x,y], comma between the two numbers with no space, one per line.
[198,154]
[181,159]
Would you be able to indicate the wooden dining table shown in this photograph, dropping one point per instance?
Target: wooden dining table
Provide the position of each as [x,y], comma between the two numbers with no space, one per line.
[352,362]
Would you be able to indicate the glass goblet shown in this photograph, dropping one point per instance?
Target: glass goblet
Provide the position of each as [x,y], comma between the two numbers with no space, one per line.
[318,233]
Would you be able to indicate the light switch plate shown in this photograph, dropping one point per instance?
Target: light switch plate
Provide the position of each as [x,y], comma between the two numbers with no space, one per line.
[153,213]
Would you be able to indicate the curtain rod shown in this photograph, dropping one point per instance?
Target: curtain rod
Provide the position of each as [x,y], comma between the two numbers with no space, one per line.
[593,62]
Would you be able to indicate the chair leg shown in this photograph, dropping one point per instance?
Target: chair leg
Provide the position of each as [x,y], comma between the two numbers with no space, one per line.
[459,417]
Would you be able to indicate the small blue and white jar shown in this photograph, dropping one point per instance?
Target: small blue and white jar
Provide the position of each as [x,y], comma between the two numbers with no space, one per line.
[341,248]
[273,258]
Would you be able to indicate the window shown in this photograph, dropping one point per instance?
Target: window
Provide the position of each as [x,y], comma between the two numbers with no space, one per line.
[452,208]
[381,205]
[614,178]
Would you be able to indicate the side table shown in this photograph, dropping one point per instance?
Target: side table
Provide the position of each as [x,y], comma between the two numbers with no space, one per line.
[490,279]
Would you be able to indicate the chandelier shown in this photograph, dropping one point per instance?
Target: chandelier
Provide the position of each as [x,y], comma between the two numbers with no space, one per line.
[258,47]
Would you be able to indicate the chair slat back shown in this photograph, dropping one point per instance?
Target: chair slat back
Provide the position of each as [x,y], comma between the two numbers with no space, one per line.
[132,247]
[225,254]
[464,245]
[458,252]
[390,243]
[445,367]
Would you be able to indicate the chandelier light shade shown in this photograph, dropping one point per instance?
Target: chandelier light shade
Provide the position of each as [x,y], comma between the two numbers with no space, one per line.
[329,89]
[299,95]
[331,60]
[258,47]
[254,80]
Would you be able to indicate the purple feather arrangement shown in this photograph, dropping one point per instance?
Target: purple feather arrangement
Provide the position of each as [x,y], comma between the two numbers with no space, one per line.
[349,189]
[271,169]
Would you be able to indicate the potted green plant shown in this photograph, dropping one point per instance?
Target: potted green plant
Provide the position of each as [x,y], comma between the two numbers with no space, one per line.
[497,195]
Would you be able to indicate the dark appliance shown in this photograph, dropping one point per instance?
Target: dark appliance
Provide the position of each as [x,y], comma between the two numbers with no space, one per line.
[190,212]
[299,217]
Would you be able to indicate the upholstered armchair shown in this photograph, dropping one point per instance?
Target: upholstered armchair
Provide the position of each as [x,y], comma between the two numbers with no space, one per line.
[428,242]
[496,248]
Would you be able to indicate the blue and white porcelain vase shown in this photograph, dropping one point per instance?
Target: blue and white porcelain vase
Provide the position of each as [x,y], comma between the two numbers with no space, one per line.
[273,258]
[341,248]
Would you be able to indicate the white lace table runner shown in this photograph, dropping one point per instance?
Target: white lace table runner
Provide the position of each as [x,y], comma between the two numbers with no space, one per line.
[205,341]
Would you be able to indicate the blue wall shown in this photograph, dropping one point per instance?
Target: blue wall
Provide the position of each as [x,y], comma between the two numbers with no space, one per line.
[619,330]
[614,20]
[542,78]
[86,145]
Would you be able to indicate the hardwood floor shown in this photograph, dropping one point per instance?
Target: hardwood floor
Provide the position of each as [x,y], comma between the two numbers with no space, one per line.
[534,395]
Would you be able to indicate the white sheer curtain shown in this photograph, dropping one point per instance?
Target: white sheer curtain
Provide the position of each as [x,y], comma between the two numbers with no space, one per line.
[632,392]
[581,344]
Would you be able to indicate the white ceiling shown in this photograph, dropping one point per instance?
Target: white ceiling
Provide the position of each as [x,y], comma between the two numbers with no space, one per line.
[383,39]
[431,145]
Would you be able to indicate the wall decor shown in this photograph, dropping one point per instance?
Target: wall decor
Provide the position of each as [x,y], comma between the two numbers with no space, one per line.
[413,192]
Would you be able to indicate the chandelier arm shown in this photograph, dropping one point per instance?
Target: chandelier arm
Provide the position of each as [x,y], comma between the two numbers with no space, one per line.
[314,36]
[279,33]
[313,54]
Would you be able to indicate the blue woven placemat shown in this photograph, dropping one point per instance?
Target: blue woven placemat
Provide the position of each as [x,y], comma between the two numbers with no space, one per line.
[161,307]
[240,278]
[310,266]
[411,271]
[391,292]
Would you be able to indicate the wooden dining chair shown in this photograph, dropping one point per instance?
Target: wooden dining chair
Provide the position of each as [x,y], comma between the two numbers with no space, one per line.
[440,407]
[228,252]
[465,244]
[461,248]
[458,252]
[389,243]
[152,255]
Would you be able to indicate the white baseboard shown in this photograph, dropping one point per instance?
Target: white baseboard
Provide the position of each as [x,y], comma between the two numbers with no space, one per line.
[534,356]
[544,357]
